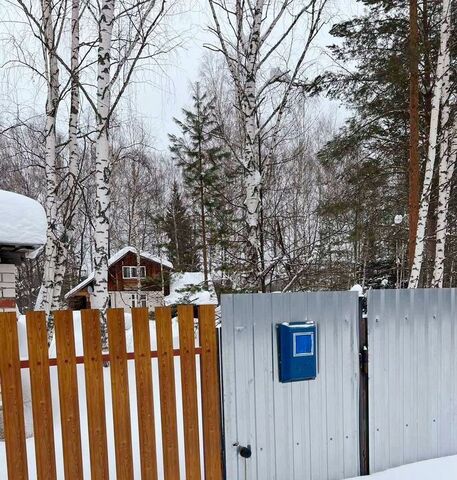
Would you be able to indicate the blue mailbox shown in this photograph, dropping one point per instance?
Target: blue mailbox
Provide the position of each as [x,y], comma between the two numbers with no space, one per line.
[297,351]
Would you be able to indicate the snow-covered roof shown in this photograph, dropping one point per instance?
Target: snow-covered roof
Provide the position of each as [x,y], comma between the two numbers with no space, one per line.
[22,221]
[115,258]
[189,287]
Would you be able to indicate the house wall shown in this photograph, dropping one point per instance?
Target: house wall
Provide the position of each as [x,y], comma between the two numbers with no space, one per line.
[116,283]
[124,299]
[8,273]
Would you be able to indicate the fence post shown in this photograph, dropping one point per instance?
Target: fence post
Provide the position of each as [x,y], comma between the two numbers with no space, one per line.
[68,394]
[95,394]
[363,391]
[189,391]
[211,410]
[43,424]
[167,393]
[13,406]
[144,393]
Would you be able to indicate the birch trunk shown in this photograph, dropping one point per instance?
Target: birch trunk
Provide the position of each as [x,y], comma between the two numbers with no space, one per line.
[103,164]
[446,171]
[73,160]
[45,295]
[441,70]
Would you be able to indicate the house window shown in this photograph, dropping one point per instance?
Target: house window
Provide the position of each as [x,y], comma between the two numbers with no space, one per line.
[132,272]
[139,300]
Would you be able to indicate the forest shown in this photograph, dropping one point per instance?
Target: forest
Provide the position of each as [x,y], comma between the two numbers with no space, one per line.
[314,151]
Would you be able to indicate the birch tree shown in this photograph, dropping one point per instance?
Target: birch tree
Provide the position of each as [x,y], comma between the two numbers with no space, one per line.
[44,299]
[448,151]
[252,36]
[442,68]
[69,196]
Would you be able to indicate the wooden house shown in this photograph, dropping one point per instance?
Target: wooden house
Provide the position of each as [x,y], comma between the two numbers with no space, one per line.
[124,273]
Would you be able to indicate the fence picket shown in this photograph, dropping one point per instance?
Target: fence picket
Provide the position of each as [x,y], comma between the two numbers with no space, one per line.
[68,394]
[95,395]
[189,391]
[120,394]
[211,412]
[13,409]
[167,393]
[144,393]
[37,340]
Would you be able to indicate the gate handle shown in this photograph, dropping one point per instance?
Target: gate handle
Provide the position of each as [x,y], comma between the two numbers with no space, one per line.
[245,452]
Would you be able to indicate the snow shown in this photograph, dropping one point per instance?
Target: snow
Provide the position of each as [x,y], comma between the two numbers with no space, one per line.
[22,221]
[189,287]
[444,468]
[357,288]
[115,258]
[108,403]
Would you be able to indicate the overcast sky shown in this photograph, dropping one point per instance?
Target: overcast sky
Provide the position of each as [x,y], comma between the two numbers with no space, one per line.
[159,103]
[166,89]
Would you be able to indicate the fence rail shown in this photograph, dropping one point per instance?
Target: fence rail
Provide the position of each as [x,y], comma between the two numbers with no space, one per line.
[96,404]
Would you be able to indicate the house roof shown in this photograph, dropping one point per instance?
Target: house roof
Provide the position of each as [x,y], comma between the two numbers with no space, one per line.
[115,258]
[23,222]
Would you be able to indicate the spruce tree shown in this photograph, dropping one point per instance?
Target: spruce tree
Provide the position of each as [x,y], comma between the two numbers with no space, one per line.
[200,154]
[178,226]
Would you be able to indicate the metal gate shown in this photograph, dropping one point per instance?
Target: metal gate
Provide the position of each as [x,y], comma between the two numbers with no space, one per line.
[303,430]
[412,338]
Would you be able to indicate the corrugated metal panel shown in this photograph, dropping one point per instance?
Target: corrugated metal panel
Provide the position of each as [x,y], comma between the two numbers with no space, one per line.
[303,430]
[412,375]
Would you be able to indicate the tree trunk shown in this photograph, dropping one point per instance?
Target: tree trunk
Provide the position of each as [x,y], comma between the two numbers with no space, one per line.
[73,160]
[45,295]
[441,70]
[414,164]
[103,165]
[446,171]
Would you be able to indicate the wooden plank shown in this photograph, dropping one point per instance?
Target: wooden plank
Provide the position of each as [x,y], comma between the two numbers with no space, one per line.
[167,393]
[189,391]
[13,407]
[211,410]
[144,393]
[95,394]
[68,394]
[120,394]
[43,428]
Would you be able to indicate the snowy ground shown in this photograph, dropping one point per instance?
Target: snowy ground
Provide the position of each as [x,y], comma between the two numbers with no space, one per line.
[437,469]
[109,417]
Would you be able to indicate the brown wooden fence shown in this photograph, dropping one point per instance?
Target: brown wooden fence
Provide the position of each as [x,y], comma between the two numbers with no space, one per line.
[66,360]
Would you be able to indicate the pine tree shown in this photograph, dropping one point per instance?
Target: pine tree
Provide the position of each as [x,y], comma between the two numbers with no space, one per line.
[177,224]
[375,139]
[200,155]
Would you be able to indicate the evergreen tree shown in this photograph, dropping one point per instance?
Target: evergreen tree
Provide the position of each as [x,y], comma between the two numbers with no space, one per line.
[374,142]
[200,155]
[177,224]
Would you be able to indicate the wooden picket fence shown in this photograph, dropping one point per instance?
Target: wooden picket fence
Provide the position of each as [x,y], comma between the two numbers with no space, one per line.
[93,359]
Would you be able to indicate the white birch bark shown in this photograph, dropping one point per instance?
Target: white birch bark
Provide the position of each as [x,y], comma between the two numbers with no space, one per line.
[446,172]
[45,295]
[246,49]
[103,163]
[69,204]
[441,70]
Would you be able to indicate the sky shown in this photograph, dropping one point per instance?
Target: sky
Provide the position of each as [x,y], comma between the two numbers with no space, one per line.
[163,91]
[159,103]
